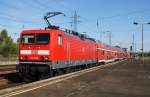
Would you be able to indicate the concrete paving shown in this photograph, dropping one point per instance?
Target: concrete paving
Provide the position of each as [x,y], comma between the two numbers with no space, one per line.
[127,79]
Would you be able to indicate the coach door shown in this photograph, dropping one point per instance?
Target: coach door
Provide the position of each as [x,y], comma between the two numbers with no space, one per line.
[68,53]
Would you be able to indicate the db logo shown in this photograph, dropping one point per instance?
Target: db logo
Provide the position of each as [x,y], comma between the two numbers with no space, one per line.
[34,52]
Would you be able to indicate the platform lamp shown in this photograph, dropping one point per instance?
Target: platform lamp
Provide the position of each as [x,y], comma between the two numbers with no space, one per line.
[142,49]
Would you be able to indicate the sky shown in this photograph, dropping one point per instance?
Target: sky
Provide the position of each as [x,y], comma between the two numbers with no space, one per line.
[115,16]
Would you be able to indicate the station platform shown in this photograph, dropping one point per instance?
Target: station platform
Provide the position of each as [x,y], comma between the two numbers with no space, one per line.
[126,79]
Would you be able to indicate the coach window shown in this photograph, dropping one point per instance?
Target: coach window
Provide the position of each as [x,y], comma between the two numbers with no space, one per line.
[59,39]
[102,52]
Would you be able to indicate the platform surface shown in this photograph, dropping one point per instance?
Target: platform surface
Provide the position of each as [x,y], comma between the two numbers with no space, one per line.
[127,79]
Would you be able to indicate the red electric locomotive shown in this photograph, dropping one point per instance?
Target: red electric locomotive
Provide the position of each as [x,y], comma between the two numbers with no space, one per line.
[43,51]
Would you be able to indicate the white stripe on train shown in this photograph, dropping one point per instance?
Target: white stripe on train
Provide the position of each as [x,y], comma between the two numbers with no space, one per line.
[39,52]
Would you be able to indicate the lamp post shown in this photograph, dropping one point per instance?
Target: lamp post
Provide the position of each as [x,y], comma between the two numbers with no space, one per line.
[109,38]
[142,45]
[109,35]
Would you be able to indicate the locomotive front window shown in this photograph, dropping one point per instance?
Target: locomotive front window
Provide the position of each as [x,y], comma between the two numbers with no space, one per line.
[28,39]
[42,38]
[35,39]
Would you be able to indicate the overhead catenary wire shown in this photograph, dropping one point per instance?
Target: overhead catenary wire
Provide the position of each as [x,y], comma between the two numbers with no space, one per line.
[8,17]
[43,5]
[18,20]
[34,5]
[3,25]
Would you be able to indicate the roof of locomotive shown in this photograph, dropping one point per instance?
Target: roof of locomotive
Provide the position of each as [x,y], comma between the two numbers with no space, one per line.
[79,35]
[37,31]
[68,32]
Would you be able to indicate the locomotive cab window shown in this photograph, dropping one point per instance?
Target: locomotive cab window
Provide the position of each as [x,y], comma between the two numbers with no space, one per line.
[28,39]
[42,38]
[35,38]
[59,39]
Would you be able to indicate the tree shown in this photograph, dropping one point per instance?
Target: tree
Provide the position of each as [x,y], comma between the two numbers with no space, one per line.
[7,46]
[4,34]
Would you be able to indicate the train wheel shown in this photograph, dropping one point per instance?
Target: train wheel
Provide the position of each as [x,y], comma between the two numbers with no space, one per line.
[43,76]
[46,75]
[51,73]
[68,70]
[29,78]
[20,75]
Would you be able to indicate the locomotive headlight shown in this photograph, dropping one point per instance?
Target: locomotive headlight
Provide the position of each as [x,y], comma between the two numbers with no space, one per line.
[45,58]
[21,57]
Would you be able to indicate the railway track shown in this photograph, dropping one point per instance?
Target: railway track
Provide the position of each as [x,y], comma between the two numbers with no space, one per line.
[10,80]
[6,69]
[21,87]
[8,76]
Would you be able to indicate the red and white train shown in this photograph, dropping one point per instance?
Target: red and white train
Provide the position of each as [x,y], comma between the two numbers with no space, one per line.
[43,52]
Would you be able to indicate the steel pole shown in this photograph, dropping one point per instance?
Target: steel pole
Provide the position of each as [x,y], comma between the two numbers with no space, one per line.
[142,43]
[110,38]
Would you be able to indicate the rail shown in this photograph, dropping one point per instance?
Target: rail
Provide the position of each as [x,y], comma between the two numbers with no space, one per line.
[5,69]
